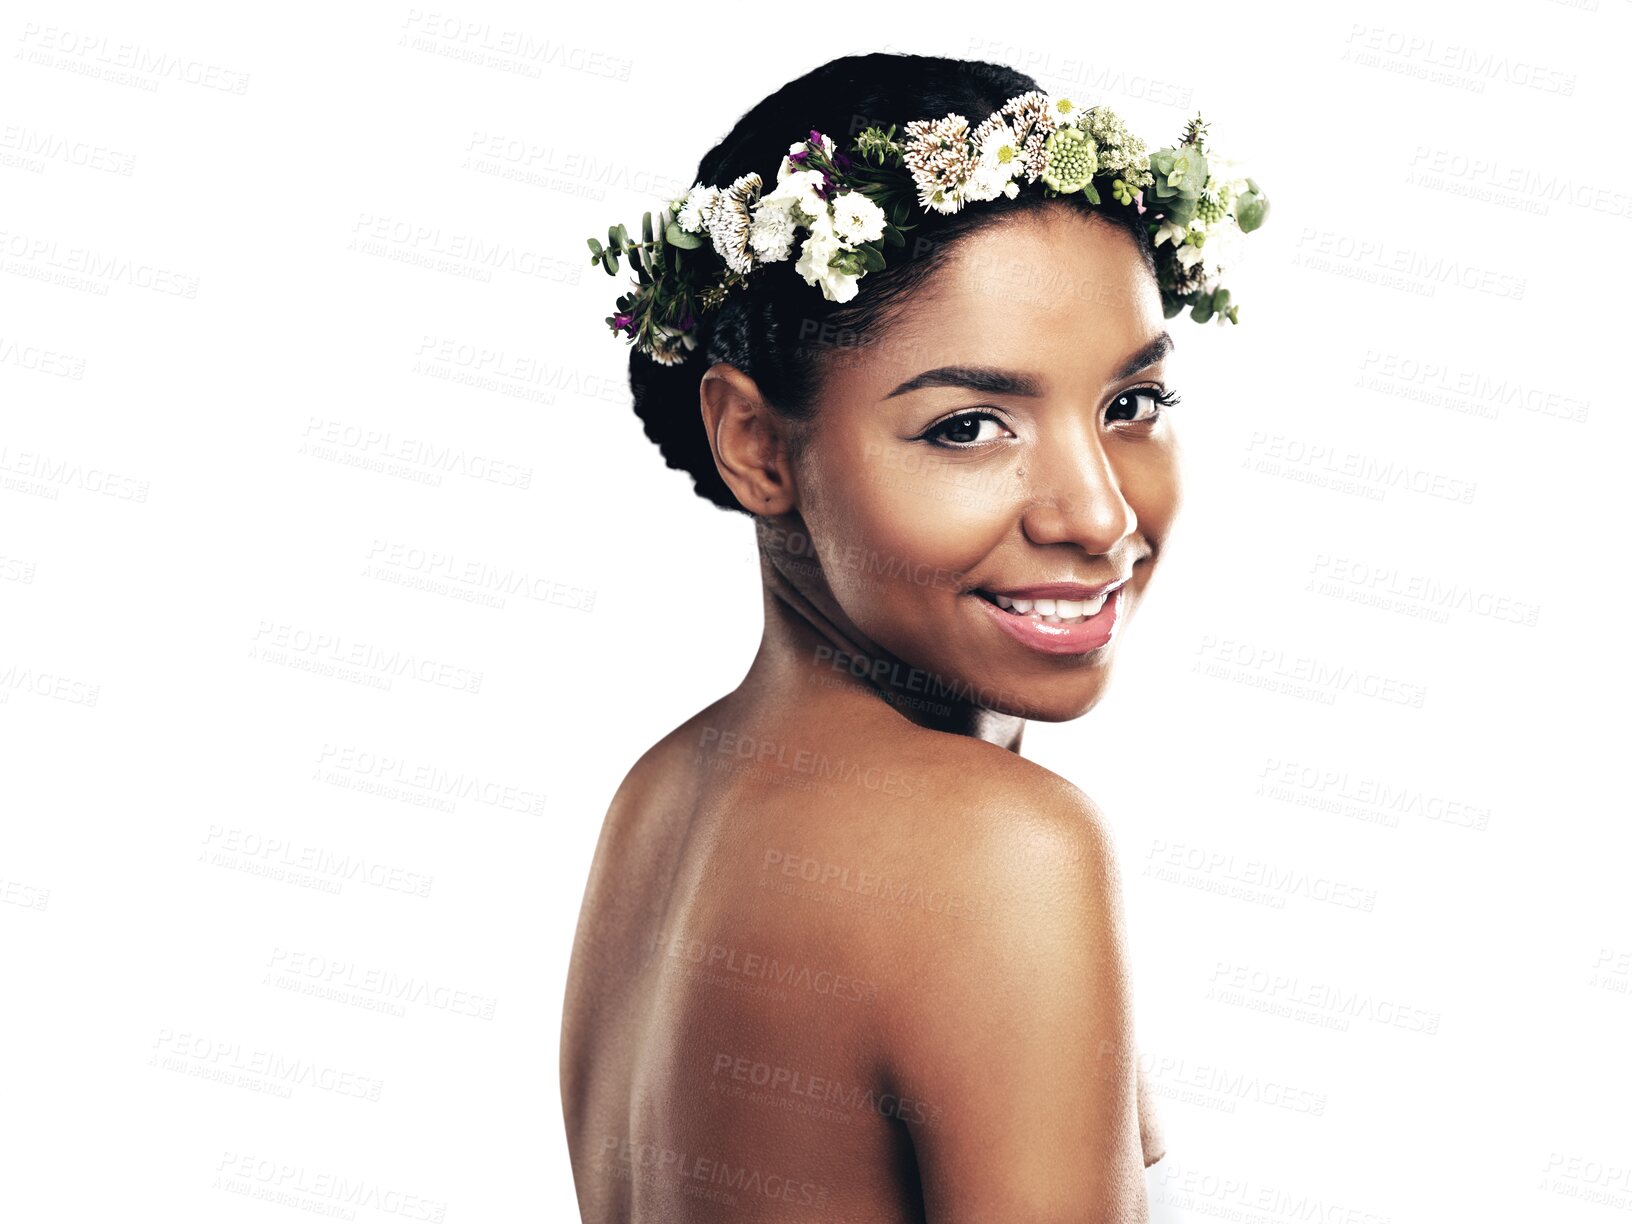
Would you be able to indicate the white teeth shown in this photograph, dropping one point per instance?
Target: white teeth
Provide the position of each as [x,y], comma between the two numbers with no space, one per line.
[1055,611]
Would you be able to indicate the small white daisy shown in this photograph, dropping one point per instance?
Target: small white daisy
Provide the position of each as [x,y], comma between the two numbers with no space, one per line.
[1065,110]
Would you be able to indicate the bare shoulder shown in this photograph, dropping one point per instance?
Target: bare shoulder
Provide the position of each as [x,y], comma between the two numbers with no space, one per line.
[654,766]
[1014,1024]
[1017,821]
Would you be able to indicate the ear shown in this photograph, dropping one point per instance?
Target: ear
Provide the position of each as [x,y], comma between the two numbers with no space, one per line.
[749,441]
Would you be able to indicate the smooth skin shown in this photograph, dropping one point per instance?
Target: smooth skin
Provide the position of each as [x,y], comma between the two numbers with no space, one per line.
[844,954]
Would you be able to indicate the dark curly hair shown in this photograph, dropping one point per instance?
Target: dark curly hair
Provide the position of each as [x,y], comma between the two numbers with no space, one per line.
[777,329]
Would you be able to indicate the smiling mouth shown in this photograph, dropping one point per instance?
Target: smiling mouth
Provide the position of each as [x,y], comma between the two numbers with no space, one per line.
[1049,611]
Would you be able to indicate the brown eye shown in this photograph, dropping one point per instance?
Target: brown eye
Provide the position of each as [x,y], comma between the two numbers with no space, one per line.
[1140,404]
[967,429]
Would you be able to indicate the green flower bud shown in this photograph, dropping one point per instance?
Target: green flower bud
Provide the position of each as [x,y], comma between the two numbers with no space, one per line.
[1073,157]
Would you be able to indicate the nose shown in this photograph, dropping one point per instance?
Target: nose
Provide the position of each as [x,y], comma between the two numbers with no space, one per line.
[1075,495]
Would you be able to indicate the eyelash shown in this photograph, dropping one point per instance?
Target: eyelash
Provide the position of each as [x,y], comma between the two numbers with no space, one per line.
[1163,399]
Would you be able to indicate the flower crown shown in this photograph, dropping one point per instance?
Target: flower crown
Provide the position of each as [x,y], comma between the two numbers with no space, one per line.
[852,205]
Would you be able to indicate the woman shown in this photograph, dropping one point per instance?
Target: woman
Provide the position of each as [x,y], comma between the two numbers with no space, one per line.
[844,953]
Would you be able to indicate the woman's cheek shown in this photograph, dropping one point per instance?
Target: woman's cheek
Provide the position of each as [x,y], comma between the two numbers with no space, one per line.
[1154,489]
[928,526]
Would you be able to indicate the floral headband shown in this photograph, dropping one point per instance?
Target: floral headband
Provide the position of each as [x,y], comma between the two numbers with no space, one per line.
[852,205]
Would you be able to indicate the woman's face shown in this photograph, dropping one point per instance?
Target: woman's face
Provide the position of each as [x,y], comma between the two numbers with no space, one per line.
[1005,437]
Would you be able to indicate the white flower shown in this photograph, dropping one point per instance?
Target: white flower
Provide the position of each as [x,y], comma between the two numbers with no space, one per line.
[941,200]
[671,345]
[1169,232]
[790,166]
[1224,246]
[1189,256]
[999,160]
[772,232]
[1000,148]
[984,184]
[798,146]
[729,219]
[801,188]
[1065,110]
[1227,172]
[670,335]
[818,249]
[856,219]
[1011,189]
[694,212]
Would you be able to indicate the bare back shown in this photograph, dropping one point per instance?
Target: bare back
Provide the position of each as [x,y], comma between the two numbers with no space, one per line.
[755,909]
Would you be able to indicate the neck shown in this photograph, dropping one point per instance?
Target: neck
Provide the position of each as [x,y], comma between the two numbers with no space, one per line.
[809,640]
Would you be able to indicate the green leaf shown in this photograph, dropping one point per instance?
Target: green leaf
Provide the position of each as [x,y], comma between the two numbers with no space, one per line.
[872,259]
[901,211]
[1181,172]
[611,264]
[1202,310]
[646,227]
[617,237]
[894,236]
[1250,211]
[1092,192]
[595,248]
[678,237]
[1171,306]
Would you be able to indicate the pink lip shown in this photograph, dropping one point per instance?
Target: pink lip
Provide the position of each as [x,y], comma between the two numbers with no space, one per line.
[1081,638]
[1057,590]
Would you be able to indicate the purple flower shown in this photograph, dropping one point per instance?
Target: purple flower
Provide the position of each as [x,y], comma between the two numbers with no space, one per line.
[815,138]
[799,156]
[623,323]
[842,161]
[688,322]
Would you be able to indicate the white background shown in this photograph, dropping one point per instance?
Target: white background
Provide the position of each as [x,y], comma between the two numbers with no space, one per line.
[290,246]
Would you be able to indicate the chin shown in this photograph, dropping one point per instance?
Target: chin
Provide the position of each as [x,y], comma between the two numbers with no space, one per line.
[1059,699]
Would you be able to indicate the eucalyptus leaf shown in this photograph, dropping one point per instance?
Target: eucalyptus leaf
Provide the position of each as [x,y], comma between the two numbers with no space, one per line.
[646,227]
[1250,211]
[1202,310]
[678,237]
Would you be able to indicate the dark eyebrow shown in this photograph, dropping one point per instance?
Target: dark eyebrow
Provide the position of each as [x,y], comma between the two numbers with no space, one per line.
[992,381]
